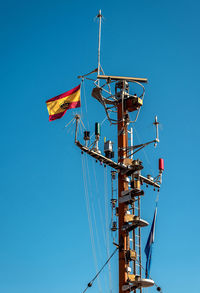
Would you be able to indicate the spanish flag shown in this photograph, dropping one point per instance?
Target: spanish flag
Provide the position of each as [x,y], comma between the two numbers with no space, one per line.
[58,105]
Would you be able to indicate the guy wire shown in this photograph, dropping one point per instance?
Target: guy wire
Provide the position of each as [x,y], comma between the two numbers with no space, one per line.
[92,281]
[89,217]
[107,223]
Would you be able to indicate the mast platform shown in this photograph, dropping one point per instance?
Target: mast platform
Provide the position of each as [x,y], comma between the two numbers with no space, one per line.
[135,282]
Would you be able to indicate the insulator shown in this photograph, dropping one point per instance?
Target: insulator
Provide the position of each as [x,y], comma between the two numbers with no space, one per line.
[113,202]
[113,174]
[114,226]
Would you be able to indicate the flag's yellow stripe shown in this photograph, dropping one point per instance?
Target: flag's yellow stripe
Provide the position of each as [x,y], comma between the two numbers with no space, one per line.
[54,107]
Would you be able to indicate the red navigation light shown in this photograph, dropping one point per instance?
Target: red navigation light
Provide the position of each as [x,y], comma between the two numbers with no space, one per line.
[161,165]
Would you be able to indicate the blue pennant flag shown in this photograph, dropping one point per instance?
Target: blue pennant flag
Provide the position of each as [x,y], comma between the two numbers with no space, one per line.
[148,247]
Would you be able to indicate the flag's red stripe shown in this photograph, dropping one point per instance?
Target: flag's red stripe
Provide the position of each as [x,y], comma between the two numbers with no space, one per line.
[56,116]
[70,92]
[59,115]
[74,105]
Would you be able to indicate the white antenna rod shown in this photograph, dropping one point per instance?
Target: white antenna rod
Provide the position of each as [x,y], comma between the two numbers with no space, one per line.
[156,123]
[99,46]
[131,132]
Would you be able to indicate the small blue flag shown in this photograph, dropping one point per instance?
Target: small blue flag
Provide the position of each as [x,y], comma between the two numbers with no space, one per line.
[148,247]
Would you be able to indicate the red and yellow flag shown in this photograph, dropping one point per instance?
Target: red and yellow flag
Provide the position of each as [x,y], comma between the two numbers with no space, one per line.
[58,105]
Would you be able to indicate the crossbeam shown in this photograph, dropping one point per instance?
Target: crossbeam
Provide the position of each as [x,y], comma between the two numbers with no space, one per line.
[110,78]
[114,165]
[102,158]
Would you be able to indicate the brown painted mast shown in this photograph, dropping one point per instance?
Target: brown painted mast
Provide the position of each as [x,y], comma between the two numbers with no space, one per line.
[123,237]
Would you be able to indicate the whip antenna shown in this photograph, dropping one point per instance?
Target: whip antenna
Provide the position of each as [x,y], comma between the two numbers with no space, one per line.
[99,45]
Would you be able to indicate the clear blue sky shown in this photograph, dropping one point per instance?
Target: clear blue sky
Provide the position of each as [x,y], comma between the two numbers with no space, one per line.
[45,244]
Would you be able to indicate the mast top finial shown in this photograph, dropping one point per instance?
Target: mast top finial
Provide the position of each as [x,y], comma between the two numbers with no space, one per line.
[99,15]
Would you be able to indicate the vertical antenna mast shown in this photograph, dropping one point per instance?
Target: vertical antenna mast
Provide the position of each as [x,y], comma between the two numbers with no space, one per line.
[99,45]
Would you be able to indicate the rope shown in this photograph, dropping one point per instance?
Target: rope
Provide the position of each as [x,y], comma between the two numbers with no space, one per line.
[92,281]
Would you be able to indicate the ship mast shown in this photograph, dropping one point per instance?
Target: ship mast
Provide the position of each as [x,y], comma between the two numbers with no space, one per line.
[129,172]
[127,208]
[123,237]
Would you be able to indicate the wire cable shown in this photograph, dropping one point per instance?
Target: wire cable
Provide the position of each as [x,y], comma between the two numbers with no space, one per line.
[92,281]
[107,223]
[146,156]
[87,200]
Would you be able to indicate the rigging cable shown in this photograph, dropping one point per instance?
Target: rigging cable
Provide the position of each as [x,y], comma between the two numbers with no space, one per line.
[89,217]
[145,154]
[99,205]
[158,287]
[102,222]
[107,223]
[92,281]
[93,210]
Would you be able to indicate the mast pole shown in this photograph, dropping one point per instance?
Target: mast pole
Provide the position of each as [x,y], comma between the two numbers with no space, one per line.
[99,44]
[123,236]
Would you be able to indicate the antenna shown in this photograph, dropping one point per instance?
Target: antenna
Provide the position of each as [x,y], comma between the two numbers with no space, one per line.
[99,45]
[156,123]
